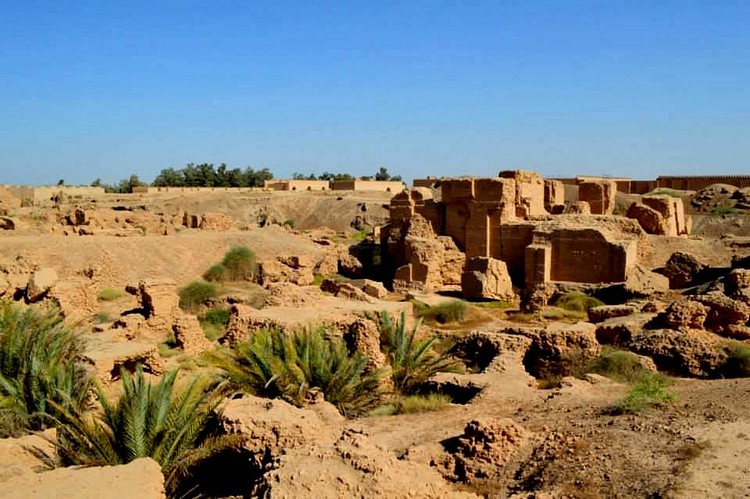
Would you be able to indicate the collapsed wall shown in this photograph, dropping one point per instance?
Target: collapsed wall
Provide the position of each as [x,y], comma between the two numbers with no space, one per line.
[508,218]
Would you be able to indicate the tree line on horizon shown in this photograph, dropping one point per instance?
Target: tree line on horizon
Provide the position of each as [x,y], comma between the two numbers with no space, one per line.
[207,175]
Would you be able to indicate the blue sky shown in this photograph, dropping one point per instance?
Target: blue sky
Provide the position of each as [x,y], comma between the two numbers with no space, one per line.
[614,87]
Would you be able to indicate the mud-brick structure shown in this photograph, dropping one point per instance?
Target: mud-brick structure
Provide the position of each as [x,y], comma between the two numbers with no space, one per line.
[506,218]
[297,185]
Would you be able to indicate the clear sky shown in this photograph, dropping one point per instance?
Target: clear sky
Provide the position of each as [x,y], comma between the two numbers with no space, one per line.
[636,88]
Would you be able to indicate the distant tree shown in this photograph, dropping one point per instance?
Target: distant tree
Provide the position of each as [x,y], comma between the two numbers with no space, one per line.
[383,174]
[97,182]
[234,177]
[127,185]
[206,175]
[335,176]
[61,182]
[169,177]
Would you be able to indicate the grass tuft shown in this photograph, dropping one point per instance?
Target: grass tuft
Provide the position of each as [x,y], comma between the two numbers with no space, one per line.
[577,302]
[413,404]
[737,363]
[651,390]
[110,294]
[443,313]
[619,365]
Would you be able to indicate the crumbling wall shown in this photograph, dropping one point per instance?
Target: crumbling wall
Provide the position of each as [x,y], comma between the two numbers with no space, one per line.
[599,194]
[529,200]
[505,219]
[672,209]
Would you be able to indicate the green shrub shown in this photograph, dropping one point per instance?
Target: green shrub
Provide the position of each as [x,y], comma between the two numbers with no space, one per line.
[240,264]
[214,322]
[272,364]
[217,273]
[413,361]
[650,390]
[150,419]
[445,312]
[737,363]
[41,368]
[289,223]
[217,316]
[577,302]
[196,294]
[619,365]
[110,294]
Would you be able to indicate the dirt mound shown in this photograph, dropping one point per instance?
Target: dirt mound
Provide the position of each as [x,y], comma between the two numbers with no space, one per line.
[141,478]
[721,199]
[484,447]
[353,466]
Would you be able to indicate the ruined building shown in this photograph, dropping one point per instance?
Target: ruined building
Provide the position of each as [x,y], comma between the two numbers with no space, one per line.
[478,232]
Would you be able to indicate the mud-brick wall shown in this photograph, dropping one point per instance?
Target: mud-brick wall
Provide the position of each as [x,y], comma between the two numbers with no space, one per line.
[197,190]
[456,222]
[585,255]
[509,244]
[696,183]
[368,185]
[45,193]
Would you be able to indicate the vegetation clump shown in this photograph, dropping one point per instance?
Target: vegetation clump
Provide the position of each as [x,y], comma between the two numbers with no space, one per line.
[214,322]
[619,365]
[443,313]
[217,273]
[575,301]
[41,369]
[239,264]
[413,361]
[414,404]
[196,294]
[110,294]
[160,420]
[650,390]
[273,364]
[737,363]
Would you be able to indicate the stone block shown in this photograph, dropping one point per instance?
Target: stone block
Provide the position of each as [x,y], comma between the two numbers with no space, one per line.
[554,194]
[649,219]
[538,264]
[600,194]
[457,189]
[578,208]
[486,278]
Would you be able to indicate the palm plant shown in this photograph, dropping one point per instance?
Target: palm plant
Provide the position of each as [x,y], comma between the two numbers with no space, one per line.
[413,361]
[343,378]
[167,423]
[273,364]
[41,368]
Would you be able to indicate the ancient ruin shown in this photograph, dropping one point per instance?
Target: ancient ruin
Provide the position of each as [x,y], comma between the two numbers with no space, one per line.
[509,218]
